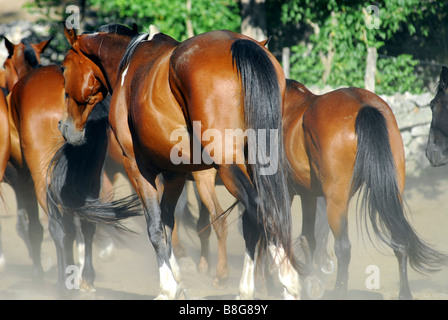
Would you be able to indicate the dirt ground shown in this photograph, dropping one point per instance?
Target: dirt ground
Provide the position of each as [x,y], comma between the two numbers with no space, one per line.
[131,272]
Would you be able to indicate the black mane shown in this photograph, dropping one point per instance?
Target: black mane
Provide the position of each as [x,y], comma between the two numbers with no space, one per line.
[119,29]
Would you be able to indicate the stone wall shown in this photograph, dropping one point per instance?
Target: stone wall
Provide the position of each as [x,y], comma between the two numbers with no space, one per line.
[413,115]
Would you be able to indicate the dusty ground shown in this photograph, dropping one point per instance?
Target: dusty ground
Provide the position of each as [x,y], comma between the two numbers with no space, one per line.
[131,273]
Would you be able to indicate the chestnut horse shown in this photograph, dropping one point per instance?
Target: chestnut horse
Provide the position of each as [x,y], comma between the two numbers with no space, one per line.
[22,58]
[160,89]
[36,104]
[341,142]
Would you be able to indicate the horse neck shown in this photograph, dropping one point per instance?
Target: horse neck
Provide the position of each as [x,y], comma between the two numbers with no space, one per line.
[108,49]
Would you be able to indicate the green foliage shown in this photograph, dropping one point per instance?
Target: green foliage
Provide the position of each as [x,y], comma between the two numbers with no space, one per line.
[170,16]
[340,37]
[397,75]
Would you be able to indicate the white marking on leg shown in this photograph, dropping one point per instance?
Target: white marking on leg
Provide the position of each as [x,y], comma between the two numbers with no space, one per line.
[287,274]
[168,283]
[247,283]
[175,267]
[2,263]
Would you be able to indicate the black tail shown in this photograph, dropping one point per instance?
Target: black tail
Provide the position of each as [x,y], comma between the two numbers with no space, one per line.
[263,111]
[74,177]
[382,201]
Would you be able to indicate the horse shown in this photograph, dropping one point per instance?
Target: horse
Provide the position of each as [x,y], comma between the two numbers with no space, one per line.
[437,145]
[34,112]
[5,149]
[218,80]
[22,58]
[342,142]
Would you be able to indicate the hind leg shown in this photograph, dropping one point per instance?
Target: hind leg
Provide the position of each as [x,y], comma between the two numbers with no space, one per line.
[237,181]
[337,218]
[62,230]
[88,272]
[402,257]
[205,181]
[35,231]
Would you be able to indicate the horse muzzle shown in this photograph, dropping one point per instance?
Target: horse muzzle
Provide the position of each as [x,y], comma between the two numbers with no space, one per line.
[70,133]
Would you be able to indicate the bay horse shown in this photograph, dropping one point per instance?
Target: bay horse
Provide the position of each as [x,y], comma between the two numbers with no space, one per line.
[437,146]
[219,79]
[36,104]
[22,58]
[341,142]
[5,149]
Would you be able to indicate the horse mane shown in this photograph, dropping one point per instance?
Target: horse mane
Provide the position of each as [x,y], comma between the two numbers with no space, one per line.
[132,46]
[30,54]
[120,29]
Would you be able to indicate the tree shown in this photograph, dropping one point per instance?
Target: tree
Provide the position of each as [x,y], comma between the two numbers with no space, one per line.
[341,36]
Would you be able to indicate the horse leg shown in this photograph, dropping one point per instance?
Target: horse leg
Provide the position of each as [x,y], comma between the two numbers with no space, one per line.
[204,232]
[159,226]
[309,206]
[62,230]
[337,217]
[35,234]
[402,257]
[205,181]
[237,181]
[322,231]
[2,256]
[88,272]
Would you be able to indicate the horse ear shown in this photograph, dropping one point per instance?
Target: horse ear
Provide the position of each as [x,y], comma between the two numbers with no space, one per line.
[9,46]
[444,78]
[41,47]
[134,28]
[70,34]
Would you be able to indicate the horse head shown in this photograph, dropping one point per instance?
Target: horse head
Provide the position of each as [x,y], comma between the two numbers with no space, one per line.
[22,58]
[85,86]
[437,147]
[90,72]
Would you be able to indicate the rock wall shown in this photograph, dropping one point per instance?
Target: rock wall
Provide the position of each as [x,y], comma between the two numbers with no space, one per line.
[413,115]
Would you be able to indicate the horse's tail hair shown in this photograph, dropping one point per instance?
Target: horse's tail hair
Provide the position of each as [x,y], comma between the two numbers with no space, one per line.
[74,178]
[375,175]
[263,113]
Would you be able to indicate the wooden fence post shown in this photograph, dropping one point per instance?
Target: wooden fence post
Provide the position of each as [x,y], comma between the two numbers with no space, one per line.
[369,79]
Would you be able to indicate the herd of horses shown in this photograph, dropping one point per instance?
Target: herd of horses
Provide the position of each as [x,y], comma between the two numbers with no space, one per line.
[113,105]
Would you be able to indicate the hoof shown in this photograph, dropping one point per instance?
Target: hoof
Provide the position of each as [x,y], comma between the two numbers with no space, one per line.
[314,287]
[85,286]
[220,282]
[203,266]
[181,294]
[328,267]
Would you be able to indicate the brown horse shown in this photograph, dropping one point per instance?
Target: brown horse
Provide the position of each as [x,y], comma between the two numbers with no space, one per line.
[22,59]
[4,153]
[341,142]
[36,104]
[160,89]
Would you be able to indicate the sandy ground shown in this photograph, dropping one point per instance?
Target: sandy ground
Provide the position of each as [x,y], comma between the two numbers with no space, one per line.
[131,272]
